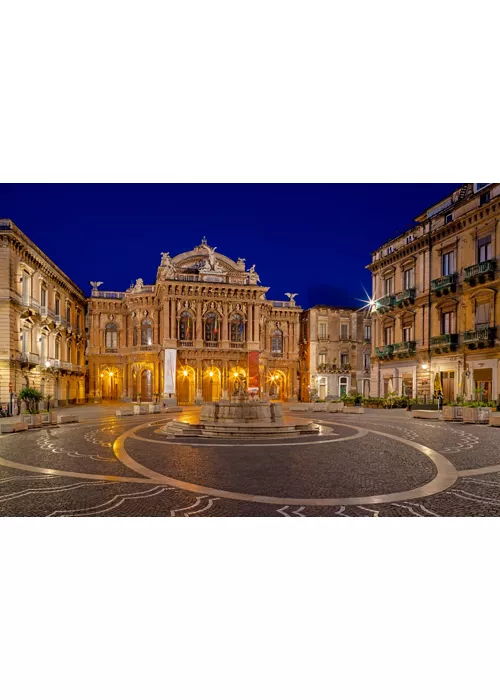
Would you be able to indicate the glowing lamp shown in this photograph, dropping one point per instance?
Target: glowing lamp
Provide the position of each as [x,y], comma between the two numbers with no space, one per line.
[425,366]
[210,374]
[185,372]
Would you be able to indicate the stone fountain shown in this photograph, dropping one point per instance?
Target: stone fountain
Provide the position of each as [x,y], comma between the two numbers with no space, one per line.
[243,416]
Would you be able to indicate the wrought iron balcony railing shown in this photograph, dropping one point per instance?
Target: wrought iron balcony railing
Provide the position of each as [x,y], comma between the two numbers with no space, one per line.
[482,334]
[444,285]
[385,303]
[405,297]
[484,269]
[445,339]
[385,351]
[407,347]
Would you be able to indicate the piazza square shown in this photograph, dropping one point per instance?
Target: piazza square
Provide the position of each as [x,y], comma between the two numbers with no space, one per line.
[195,392]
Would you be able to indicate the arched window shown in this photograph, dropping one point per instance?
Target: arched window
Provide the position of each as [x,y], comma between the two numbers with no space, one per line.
[211,327]
[146,332]
[135,336]
[237,325]
[277,342]
[186,326]
[111,336]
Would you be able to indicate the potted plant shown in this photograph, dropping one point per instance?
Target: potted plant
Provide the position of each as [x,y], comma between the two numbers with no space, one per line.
[454,410]
[476,412]
[31,398]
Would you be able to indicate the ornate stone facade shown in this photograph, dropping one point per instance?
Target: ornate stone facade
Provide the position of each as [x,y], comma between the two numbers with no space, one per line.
[42,323]
[335,352]
[208,317]
[436,298]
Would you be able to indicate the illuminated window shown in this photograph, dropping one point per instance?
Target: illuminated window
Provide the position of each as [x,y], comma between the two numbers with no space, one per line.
[211,327]
[186,326]
[237,328]
[146,332]
[277,342]
[111,336]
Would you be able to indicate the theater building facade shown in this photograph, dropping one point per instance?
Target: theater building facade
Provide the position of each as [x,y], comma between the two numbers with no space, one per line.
[203,327]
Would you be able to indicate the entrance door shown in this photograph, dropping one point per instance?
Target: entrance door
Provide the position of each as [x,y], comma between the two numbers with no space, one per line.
[448,382]
[146,385]
[483,383]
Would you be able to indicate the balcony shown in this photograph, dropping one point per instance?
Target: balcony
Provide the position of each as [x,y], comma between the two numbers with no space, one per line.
[237,345]
[212,343]
[405,298]
[67,366]
[78,369]
[447,342]
[111,350]
[44,311]
[477,274]
[30,358]
[480,337]
[385,303]
[444,285]
[404,349]
[385,352]
[333,368]
[186,343]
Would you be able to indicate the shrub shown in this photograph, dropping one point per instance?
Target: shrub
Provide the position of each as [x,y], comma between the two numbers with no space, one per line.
[31,397]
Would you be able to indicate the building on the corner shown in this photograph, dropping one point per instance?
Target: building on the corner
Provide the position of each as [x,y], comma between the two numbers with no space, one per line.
[436,300]
[203,326]
[42,323]
[335,352]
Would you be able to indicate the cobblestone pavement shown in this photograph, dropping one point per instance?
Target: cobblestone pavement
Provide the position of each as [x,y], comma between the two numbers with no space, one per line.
[79,471]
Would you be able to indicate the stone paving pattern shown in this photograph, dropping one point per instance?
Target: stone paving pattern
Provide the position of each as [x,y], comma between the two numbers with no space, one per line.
[371,464]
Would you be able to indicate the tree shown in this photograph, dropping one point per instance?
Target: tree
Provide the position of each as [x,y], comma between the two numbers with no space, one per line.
[31,397]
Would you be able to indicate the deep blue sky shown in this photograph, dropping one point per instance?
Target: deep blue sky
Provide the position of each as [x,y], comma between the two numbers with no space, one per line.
[311,239]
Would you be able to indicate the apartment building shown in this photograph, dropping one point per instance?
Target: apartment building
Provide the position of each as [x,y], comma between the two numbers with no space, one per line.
[42,322]
[436,307]
[335,352]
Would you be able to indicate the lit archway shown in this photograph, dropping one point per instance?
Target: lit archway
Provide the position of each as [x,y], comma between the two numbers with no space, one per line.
[236,374]
[277,384]
[211,384]
[185,385]
[146,385]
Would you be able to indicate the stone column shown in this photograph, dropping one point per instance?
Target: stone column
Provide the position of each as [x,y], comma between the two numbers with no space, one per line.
[225,340]
[199,327]
[250,335]
[256,323]
[198,383]
[173,319]
[225,382]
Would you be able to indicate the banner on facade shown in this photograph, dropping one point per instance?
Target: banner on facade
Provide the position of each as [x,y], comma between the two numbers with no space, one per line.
[170,371]
[253,371]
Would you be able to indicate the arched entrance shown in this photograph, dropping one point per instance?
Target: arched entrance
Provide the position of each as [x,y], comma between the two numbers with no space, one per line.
[185,385]
[146,385]
[277,385]
[211,384]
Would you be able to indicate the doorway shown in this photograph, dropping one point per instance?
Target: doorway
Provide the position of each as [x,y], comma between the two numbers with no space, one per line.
[448,382]
[147,385]
[483,379]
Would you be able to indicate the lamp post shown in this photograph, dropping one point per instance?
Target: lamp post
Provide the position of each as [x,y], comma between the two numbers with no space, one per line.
[425,367]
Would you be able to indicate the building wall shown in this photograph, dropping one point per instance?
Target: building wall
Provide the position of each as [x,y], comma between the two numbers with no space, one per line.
[205,368]
[333,351]
[29,330]
[446,331]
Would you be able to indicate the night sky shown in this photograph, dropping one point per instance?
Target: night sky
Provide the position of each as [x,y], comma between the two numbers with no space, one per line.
[310,239]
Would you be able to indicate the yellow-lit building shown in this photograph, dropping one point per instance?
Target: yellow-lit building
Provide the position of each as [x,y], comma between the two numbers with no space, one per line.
[436,304]
[42,323]
[202,325]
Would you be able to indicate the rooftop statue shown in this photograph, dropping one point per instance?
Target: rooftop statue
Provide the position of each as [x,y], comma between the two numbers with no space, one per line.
[291,297]
[252,275]
[95,285]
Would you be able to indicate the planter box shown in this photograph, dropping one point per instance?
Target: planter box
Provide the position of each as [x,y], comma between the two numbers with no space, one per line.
[335,406]
[67,418]
[13,427]
[45,418]
[426,415]
[354,409]
[476,415]
[452,413]
[32,420]
[319,407]
[124,412]
[495,420]
[154,407]
[139,409]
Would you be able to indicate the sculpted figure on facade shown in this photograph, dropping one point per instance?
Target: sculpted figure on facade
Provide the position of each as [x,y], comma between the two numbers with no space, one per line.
[167,266]
[139,284]
[252,275]
[291,297]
